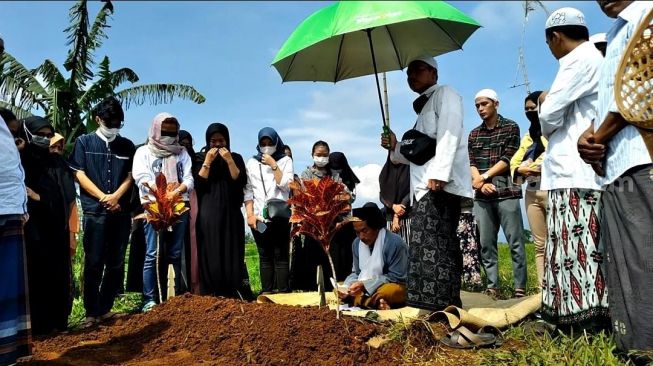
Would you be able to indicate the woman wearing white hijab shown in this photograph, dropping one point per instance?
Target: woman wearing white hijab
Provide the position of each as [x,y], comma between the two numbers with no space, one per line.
[162,155]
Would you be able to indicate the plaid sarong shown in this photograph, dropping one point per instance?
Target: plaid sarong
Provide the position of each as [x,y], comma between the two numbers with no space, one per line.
[15,334]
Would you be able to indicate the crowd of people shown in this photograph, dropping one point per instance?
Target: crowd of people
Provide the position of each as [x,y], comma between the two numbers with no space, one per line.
[588,198]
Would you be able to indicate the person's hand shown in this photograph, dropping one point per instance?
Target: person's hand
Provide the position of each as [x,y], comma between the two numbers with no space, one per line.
[170,195]
[114,208]
[390,141]
[226,155]
[33,195]
[588,149]
[525,171]
[356,289]
[396,224]
[436,185]
[268,160]
[210,156]
[109,201]
[399,210]
[478,182]
[488,189]
[251,222]
[342,295]
[20,143]
[344,196]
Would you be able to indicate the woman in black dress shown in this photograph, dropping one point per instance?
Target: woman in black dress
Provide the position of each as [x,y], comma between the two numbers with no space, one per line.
[220,224]
[51,194]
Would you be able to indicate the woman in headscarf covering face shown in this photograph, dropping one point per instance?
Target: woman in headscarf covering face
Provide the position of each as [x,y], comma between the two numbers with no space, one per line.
[217,151]
[220,186]
[531,108]
[163,142]
[270,145]
[51,193]
[269,174]
[38,132]
[338,163]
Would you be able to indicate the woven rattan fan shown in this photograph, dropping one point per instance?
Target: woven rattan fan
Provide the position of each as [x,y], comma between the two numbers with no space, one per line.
[634,81]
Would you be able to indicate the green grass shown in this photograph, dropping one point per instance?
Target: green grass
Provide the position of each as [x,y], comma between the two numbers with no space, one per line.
[584,349]
[251,258]
[506,283]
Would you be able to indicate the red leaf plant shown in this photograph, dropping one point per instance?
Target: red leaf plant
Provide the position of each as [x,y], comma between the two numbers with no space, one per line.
[163,212]
[316,206]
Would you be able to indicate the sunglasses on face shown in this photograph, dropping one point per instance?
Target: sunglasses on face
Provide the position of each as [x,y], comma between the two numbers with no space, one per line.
[169,133]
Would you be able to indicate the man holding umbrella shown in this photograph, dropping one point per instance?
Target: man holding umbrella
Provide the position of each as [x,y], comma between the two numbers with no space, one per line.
[436,151]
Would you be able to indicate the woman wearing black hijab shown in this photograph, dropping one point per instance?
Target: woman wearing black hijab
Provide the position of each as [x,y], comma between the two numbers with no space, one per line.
[341,244]
[51,193]
[220,225]
[394,182]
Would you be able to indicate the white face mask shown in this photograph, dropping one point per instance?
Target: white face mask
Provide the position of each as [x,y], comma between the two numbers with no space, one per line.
[321,161]
[168,140]
[269,150]
[109,133]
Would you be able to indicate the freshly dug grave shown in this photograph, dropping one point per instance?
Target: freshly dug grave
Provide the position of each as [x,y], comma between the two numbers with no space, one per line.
[191,330]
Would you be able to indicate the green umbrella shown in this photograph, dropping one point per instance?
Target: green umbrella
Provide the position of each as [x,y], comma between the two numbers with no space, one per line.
[336,42]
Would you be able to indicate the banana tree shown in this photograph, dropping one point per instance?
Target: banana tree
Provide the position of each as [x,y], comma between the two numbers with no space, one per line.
[68,99]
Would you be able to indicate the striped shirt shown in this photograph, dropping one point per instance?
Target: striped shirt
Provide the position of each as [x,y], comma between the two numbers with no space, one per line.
[626,149]
[107,165]
[489,146]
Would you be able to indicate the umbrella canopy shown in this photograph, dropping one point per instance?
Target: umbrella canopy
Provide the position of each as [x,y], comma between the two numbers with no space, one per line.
[355,38]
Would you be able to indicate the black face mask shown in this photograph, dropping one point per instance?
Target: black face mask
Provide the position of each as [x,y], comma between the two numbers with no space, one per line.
[535,127]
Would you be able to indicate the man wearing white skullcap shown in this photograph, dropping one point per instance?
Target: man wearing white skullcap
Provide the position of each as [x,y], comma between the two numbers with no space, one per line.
[439,178]
[574,196]
[618,151]
[496,200]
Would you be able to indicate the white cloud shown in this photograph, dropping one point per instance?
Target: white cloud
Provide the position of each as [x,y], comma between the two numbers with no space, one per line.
[500,19]
[368,189]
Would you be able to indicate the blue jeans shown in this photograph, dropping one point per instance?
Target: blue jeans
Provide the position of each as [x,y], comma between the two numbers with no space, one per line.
[170,246]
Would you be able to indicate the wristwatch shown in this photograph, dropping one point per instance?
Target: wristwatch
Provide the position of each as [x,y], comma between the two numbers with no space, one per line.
[275,167]
[485,176]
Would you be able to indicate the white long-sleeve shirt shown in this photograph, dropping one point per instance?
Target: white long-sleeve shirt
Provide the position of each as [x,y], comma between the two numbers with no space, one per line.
[254,188]
[146,166]
[626,149]
[567,111]
[12,177]
[441,119]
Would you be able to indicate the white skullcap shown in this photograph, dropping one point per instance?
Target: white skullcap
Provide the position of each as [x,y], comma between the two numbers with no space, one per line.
[599,38]
[565,16]
[487,93]
[427,60]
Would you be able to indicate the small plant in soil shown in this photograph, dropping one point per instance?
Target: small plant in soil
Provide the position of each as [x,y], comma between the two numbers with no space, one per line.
[317,204]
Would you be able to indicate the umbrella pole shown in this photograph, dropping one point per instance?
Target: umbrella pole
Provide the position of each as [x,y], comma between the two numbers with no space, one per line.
[376,77]
[385,97]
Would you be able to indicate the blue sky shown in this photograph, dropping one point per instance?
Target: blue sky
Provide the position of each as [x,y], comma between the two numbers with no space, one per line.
[224,49]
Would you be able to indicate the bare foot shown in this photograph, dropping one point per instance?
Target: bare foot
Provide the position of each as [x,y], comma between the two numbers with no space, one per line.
[383,305]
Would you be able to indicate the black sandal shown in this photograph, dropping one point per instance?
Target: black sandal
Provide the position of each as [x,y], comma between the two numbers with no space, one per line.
[463,338]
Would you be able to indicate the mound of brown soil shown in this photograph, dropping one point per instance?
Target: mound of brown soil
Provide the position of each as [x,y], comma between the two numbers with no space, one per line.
[191,330]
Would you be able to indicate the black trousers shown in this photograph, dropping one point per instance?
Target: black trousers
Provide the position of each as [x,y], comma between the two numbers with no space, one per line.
[105,242]
[274,251]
